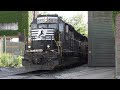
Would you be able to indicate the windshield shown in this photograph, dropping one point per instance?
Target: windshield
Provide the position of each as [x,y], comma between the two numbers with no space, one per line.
[45,26]
[42,26]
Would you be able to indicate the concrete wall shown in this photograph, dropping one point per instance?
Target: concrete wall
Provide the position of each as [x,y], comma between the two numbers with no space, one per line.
[101,39]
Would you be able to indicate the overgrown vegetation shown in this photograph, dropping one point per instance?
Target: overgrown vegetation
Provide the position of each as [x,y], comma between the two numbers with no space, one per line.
[8,60]
[12,17]
[114,16]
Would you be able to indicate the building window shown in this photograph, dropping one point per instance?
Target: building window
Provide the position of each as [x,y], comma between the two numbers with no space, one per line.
[8,26]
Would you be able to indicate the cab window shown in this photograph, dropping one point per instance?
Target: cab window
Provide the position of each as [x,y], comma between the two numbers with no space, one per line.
[67,29]
[61,27]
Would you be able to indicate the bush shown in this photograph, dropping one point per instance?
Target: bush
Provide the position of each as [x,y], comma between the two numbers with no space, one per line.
[8,60]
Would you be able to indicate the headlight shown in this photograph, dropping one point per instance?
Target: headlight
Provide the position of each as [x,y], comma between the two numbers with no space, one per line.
[48,46]
[29,46]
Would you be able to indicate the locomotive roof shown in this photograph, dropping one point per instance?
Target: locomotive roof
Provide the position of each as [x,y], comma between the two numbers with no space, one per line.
[73,29]
[51,15]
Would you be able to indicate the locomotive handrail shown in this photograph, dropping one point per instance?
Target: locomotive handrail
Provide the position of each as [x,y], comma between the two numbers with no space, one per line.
[75,39]
[58,45]
[56,42]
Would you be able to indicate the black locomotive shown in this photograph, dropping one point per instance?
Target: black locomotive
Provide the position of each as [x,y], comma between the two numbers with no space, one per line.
[54,43]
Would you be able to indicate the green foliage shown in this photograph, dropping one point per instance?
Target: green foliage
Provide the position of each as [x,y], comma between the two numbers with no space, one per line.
[8,33]
[23,22]
[11,17]
[8,16]
[30,18]
[8,60]
[77,21]
[114,14]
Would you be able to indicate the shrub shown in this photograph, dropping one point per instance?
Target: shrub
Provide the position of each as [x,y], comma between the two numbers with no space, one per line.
[9,60]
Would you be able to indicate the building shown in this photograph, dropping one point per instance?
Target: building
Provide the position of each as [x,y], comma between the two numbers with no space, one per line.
[15,26]
[116,19]
[101,39]
[13,23]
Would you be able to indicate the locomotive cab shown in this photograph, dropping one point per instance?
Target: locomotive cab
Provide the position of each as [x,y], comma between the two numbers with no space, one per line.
[43,30]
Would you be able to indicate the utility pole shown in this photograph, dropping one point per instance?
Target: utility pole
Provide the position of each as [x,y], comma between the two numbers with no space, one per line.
[4,44]
[33,15]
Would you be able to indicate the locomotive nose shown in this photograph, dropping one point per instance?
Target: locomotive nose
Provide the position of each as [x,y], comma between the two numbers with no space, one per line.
[38,59]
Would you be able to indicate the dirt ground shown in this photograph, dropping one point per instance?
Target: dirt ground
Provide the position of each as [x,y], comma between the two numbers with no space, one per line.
[80,72]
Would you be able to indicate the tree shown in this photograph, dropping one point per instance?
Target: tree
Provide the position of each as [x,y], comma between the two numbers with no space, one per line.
[77,21]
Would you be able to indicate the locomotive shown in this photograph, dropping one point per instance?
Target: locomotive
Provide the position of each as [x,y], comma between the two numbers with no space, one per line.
[54,43]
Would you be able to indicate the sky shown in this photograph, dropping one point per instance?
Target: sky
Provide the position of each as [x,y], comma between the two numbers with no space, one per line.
[69,13]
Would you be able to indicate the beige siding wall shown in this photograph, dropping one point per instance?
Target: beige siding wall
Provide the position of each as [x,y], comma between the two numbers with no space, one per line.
[117,43]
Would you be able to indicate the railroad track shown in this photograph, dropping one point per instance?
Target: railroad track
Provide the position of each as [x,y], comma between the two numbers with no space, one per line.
[24,75]
[67,73]
[5,73]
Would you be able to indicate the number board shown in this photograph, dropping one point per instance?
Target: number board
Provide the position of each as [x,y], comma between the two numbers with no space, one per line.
[47,20]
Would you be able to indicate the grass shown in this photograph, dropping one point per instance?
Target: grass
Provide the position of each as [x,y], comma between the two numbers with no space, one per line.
[9,60]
